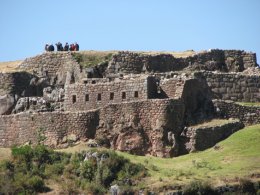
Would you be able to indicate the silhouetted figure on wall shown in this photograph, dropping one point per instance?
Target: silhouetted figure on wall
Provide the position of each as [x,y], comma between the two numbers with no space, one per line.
[51,47]
[76,46]
[72,47]
[59,46]
[66,47]
[46,47]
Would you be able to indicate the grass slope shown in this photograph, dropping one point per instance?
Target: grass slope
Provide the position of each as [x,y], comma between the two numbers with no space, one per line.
[237,156]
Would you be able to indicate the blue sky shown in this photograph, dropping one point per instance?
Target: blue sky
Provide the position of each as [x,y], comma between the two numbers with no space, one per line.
[165,25]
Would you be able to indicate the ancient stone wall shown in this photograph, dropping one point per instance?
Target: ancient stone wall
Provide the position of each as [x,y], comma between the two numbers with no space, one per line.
[223,60]
[231,86]
[136,63]
[53,65]
[202,138]
[57,127]
[249,115]
[139,127]
[142,127]
[97,94]
[172,88]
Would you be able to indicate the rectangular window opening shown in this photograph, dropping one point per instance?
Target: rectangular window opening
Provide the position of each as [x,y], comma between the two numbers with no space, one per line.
[123,95]
[74,99]
[136,94]
[86,97]
[111,96]
[99,97]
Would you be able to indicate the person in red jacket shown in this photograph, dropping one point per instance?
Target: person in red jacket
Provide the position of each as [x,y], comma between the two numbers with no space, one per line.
[72,47]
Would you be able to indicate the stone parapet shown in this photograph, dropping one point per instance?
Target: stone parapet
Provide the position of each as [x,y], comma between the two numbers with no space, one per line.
[201,138]
[249,115]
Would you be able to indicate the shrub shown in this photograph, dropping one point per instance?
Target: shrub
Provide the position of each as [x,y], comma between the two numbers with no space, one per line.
[87,171]
[246,186]
[197,187]
[36,183]
[94,188]
[24,153]
[54,170]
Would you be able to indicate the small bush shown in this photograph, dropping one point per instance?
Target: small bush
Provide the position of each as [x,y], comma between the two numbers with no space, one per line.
[54,170]
[94,188]
[246,186]
[36,183]
[197,187]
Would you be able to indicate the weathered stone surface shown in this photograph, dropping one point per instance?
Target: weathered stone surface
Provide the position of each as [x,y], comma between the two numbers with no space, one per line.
[232,86]
[7,103]
[140,106]
[249,115]
[223,60]
[201,138]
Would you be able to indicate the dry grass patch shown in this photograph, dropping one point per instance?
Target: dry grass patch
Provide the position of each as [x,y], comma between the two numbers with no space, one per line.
[182,54]
[214,123]
[5,153]
[12,66]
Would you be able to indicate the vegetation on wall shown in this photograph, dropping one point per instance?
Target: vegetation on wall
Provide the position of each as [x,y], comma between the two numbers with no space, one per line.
[92,58]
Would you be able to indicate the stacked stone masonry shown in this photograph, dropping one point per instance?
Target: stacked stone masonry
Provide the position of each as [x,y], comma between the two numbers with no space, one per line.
[215,59]
[20,128]
[95,94]
[139,106]
[147,119]
[249,115]
[202,138]
[54,65]
[232,86]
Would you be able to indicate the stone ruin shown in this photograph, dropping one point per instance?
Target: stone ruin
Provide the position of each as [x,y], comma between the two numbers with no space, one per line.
[136,102]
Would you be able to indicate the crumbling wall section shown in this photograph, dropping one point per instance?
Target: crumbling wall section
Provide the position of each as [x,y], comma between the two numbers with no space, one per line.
[126,62]
[53,65]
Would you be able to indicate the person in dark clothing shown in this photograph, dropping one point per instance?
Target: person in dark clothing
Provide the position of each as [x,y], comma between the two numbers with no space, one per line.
[51,47]
[76,46]
[66,47]
[46,47]
[59,46]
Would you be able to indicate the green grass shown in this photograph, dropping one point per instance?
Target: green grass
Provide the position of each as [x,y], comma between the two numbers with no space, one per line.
[92,58]
[237,156]
[249,103]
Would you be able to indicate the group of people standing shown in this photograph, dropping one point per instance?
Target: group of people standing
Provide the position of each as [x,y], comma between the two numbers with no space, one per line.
[67,47]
